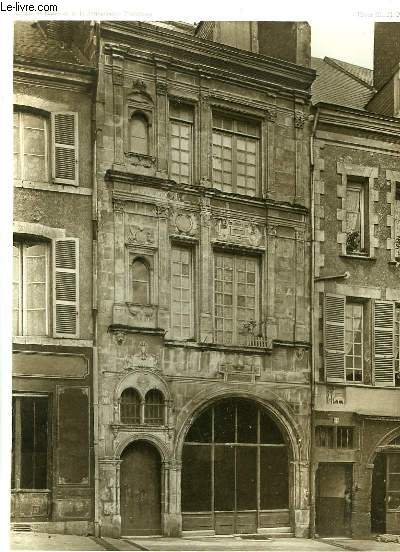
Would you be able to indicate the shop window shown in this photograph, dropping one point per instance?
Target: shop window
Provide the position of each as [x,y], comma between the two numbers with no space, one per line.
[344,437]
[30,433]
[233,466]
[397,220]
[154,407]
[139,134]
[236,297]
[397,346]
[355,217]
[181,143]
[130,407]
[393,482]
[140,282]
[235,151]
[182,293]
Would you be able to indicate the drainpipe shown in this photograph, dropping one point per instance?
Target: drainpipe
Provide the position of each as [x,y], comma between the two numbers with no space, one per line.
[312,291]
[95,378]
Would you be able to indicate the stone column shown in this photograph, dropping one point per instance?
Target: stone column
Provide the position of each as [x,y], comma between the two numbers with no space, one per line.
[206,275]
[118,81]
[119,252]
[161,116]
[109,497]
[173,515]
[300,496]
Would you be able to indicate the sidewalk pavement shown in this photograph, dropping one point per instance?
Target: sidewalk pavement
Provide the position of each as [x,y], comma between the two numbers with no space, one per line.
[44,541]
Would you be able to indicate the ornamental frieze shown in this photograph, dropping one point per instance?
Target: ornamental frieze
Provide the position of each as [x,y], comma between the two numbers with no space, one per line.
[240,232]
[142,359]
[183,223]
[140,235]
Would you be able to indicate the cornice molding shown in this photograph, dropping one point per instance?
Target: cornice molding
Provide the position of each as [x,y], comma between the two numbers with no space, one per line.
[211,58]
[330,114]
[41,73]
[199,191]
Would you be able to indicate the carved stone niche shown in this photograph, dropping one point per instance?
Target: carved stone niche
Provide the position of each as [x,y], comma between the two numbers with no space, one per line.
[139,131]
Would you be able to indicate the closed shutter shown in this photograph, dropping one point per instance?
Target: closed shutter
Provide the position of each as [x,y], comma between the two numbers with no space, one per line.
[66,290]
[384,343]
[65,148]
[334,316]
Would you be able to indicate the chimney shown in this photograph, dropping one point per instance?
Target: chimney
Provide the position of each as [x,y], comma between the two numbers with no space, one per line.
[285,40]
[386,52]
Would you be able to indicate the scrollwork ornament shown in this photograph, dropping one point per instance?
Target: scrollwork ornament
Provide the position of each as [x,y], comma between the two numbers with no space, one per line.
[299,119]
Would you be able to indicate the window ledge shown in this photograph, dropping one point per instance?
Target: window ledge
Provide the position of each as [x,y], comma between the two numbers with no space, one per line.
[360,385]
[216,346]
[46,340]
[141,428]
[52,187]
[360,257]
[395,263]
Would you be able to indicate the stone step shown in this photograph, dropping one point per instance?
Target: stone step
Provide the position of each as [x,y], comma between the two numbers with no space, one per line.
[21,527]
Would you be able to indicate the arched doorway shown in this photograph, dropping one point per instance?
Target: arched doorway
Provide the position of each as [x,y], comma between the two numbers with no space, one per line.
[385,493]
[140,483]
[235,470]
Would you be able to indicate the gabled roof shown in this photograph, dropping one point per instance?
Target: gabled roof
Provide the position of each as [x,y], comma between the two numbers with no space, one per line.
[341,83]
[32,41]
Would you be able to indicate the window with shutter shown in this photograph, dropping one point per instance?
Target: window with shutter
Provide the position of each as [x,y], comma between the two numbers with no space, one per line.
[384,343]
[30,146]
[65,143]
[334,319]
[66,298]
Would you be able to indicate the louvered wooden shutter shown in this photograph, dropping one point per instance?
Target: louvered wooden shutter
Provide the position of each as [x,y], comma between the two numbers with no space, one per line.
[66,290]
[384,343]
[65,148]
[334,317]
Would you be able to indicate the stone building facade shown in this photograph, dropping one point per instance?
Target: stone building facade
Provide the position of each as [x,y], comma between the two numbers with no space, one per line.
[211,342]
[52,431]
[203,280]
[356,190]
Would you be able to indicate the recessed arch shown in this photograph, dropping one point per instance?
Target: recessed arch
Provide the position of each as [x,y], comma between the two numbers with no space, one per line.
[139,136]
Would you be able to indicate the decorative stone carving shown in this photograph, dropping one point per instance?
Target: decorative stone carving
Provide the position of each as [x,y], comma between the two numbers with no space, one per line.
[336,395]
[300,234]
[299,119]
[118,206]
[139,91]
[140,160]
[184,223]
[139,235]
[142,359]
[239,371]
[161,87]
[119,337]
[272,230]
[142,313]
[162,211]
[37,215]
[270,115]
[299,353]
[238,231]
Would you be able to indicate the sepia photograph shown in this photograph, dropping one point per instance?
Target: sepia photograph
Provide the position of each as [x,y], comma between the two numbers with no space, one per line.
[204,260]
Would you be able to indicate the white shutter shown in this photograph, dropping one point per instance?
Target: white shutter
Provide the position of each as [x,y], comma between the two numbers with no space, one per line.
[334,317]
[66,287]
[384,343]
[65,148]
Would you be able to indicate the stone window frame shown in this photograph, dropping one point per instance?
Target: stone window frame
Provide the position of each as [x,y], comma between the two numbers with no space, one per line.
[193,105]
[392,179]
[146,256]
[346,171]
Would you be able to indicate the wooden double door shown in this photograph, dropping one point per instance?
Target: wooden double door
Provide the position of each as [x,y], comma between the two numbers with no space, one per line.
[140,484]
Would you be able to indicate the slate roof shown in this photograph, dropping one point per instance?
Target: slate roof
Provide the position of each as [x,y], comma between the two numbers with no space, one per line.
[341,83]
[31,42]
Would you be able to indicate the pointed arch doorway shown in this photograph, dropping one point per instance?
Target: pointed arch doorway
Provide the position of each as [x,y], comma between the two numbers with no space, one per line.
[140,490]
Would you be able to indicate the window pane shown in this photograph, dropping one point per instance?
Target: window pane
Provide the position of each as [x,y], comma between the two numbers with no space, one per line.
[200,430]
[181,151]
[224,422]
[33,442]
[130,407]
[139,134]
[274,488]
[246,422]
[181,272]
[196,468]
[16,288]
[35,287]
[246,478]
[140,279]
[154,407]
[224,478]
[353,341]
[269,431]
